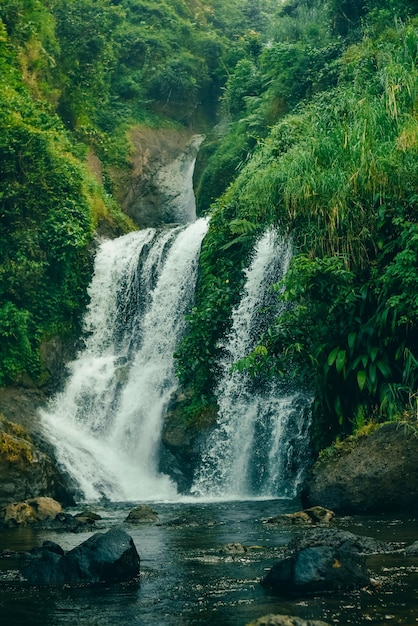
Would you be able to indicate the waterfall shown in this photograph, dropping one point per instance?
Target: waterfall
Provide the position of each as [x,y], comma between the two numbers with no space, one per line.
[106,424]
[261,434]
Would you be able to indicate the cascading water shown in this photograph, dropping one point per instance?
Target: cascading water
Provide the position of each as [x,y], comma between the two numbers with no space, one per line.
[105,426]
[261,435]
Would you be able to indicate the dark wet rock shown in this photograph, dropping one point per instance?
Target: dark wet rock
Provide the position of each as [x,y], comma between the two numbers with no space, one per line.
[105,557]
[142,514]
[51,546]
[14,554]
[182,440]
[375,473]
[285,620]
[88,515]
[312,516]
[184,520]
[25,470]
[318,569]
[65,522]
[336,538]
[412,550]
[189,520]
[323,560]
[44,569]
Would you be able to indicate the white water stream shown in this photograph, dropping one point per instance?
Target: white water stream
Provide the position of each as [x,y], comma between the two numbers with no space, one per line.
[106,424]
[262,431]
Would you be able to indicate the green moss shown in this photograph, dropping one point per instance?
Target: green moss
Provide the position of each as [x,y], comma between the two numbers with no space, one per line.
[348,444]
[15,444]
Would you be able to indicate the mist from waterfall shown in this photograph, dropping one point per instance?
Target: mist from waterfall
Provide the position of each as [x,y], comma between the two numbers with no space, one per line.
[258,445]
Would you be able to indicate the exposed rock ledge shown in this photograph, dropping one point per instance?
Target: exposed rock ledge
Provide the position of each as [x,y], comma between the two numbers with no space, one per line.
[160,161]
[26,471]
[373,474]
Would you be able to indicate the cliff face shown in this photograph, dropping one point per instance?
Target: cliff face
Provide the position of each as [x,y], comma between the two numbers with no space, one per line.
[153,191]
[372,474]
[26,471]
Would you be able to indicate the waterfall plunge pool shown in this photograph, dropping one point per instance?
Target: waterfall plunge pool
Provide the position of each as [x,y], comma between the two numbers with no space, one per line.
[186,578]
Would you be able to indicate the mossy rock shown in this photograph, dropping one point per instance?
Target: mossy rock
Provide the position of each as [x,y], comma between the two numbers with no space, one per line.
[372,474]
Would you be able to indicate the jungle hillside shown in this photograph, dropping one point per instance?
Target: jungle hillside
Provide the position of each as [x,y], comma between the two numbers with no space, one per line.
[310,113]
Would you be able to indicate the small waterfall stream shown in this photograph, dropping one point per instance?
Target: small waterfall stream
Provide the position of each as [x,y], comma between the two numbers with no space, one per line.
[257,446]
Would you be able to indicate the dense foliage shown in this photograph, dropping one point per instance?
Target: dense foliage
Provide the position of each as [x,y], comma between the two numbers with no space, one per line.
[313,106]
[74,76]
[328,153]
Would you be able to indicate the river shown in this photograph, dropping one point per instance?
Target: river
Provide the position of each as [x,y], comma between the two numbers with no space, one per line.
[187,578]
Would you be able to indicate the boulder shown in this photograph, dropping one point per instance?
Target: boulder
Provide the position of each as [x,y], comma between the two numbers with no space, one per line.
[66,522]
[31,511]
[371,474]
[313,515]
[26,471]
[88,515]
[319,562]
[335,538]
[286,620]
[142,514]
[109,557]
[319,569]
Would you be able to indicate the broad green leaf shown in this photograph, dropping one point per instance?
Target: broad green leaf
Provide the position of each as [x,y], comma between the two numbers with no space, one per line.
[340,361]
[351,340]
[373,353]
[337,406]
[361,379]
[372,374]
[384,368]
[332,356]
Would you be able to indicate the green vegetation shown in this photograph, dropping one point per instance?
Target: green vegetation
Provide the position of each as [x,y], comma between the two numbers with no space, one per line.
[15,442]
[330,127]
[311,114]
[75,76]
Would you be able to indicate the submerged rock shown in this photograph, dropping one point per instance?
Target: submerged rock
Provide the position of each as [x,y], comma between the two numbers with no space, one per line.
[319,561]
[313,515]
[412,550]
[105,557]
[335,538]
[370,474]
[285,620]
[142,514]
[66,522]
[88,515]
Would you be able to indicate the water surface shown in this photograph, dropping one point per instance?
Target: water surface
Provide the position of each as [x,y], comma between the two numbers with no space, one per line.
[188,579]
